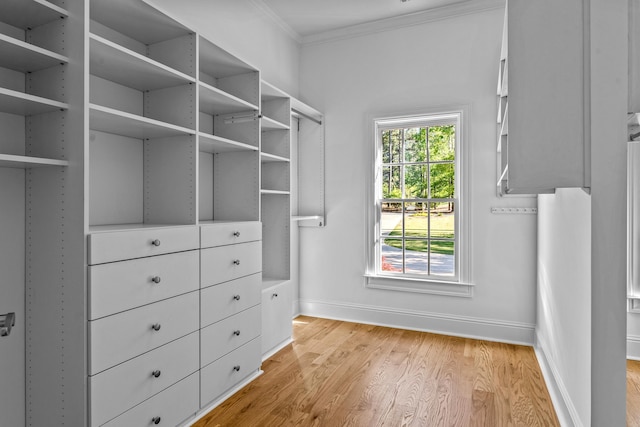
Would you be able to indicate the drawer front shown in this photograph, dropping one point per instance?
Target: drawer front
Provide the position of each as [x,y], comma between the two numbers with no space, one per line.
[128,244]
[120,286]
[225,336]
[277,316]
[169,407]
[228,371]
[229,233]
[228,298]
[120,337]
[116,390]
[224,263]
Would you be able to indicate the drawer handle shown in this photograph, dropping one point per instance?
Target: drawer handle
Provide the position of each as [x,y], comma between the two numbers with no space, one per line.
[156,373]
[236,234]
[236,368]
[156,420]
[155,242]
[236,297]
[236,333]
[156,279]
[156,326]
[236,261]
[275,295]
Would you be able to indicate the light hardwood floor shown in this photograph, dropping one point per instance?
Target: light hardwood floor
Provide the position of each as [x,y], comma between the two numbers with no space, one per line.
[633,393]
[347,374]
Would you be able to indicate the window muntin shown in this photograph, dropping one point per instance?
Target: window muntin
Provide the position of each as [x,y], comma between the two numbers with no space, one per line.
[417,227]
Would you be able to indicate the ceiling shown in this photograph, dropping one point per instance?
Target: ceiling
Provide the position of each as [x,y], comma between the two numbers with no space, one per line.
[309,17]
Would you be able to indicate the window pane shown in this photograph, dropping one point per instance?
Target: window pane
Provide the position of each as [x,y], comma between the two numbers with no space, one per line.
[442,257]
[391,146]
[390,220]
[391,182]
[442,220]
[442,180]
[416,256]
[415,146]
[416,182]
[442,143]
[391,254]
[416,220]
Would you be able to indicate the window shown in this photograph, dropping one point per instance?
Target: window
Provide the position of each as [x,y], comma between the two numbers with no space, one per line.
[416,231]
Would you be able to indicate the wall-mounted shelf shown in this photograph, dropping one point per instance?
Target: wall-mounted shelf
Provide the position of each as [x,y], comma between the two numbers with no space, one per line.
[24,104]
[114,62]
[215,101]
[26,162]
[267,158]
[121,123]
[24,57]
[30,13]
[217,144]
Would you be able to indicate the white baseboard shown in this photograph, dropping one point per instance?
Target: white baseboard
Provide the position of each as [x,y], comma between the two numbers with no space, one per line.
[633,347]
[565,410]
[462,326]
[276,349]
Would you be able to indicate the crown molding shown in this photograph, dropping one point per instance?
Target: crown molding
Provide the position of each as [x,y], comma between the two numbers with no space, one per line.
[260,4]
[417,18]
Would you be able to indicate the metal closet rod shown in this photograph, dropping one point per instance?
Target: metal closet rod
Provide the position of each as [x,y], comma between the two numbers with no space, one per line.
[306,116]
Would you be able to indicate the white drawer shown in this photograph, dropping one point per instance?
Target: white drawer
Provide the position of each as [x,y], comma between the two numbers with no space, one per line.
[120,286]
[228,371]
[169,407]
[225,336]
[112,246]
[224,263]
[228,298]
[120,388]
[120,337]
[229,233]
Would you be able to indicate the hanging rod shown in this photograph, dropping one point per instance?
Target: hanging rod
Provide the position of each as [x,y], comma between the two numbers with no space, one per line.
[306,116]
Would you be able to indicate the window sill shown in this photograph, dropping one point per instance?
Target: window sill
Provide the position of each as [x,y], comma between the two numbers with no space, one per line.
[407,284]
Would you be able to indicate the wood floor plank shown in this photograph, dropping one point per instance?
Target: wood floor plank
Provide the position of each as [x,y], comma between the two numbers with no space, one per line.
[347,374]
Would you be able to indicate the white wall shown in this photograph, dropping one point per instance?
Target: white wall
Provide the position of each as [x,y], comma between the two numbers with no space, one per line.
[245,30]
[445,62]
[563,333]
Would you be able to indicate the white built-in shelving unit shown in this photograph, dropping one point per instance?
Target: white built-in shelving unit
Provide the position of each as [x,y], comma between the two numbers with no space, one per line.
[150,205]
[540,99]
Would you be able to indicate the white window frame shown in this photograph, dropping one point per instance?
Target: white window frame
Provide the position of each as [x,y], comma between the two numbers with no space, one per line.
[460,283]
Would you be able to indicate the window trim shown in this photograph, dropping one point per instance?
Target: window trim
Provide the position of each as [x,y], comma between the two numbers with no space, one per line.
[460,285]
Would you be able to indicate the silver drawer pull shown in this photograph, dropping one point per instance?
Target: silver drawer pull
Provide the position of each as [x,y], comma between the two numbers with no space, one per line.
[156,420]
[236,297]
[275,295]
[236,234]
[156,279]
[155,327]
[236,333]
[155,242]
[236,368]
[236,261]
[156,373]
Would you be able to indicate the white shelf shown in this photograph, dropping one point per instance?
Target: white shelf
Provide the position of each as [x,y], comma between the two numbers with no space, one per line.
[217,62]
[27,162]
[120,123]
[269,158]
[305,217]
[271,124]
[136,20]
[217,144]
[215,101]
[25,104]
[30,13]
[270,283]
[277,192]
[270,92]
[118,64]
[24,57]
[131,227]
